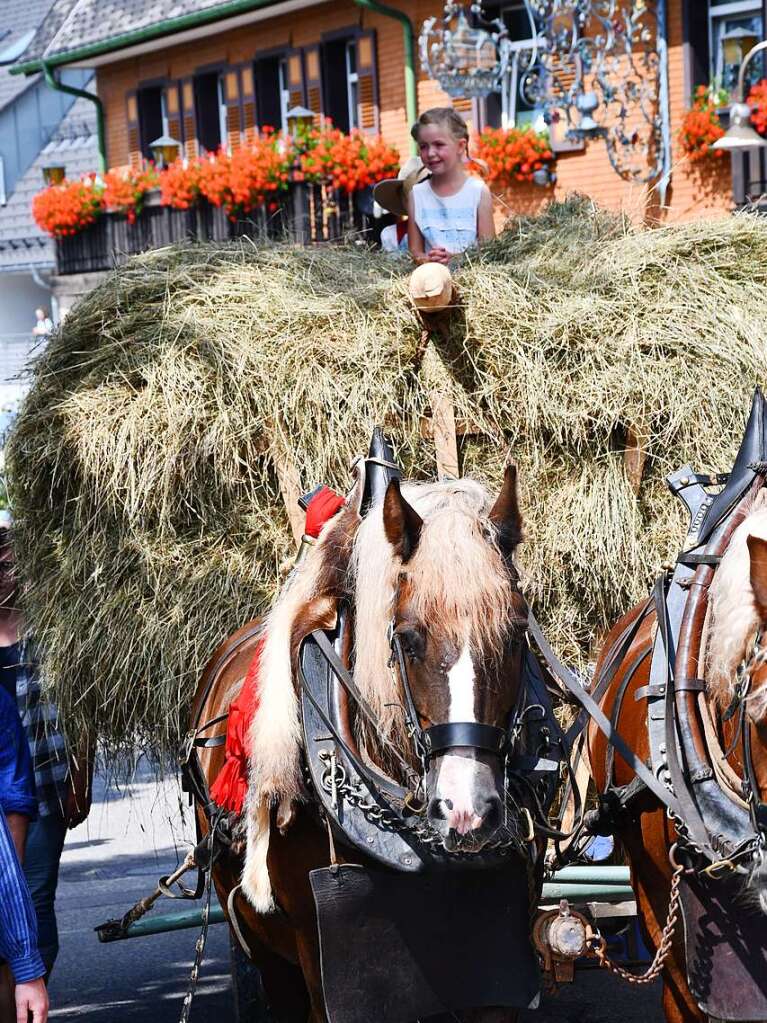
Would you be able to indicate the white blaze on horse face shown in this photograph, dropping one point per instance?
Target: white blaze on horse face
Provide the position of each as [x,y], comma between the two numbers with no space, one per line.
[457,775]
[460,681]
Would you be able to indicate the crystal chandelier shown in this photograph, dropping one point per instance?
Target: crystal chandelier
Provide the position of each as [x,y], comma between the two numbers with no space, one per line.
[602,65]
[466,54]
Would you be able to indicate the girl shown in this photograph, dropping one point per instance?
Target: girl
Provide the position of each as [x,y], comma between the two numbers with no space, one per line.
[451,210]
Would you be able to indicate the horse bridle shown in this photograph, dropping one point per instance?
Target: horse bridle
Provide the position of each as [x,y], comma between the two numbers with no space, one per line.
[439,738]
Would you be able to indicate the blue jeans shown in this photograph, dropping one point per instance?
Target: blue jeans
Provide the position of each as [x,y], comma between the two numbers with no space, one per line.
[45,841]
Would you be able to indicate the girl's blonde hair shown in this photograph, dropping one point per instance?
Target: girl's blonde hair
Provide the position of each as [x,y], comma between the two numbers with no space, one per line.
[448,118]
[443,116]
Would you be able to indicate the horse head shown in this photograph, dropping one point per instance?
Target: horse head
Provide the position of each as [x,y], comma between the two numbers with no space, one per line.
[441,558]
[737,666]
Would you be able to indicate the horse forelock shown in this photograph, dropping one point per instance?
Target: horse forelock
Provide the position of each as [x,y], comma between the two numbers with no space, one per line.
[733,615]
[460,584]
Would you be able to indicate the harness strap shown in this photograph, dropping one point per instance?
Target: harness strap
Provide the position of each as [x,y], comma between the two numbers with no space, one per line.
[457,734]
[574,687]
[681,685]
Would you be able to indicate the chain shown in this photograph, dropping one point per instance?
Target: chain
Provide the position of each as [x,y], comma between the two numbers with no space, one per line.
[598,945]
[199,948]
[336,783]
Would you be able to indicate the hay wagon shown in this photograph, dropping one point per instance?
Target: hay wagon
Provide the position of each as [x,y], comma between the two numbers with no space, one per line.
[188,401]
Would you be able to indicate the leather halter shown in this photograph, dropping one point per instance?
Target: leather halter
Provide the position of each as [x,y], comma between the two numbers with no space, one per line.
[438,739]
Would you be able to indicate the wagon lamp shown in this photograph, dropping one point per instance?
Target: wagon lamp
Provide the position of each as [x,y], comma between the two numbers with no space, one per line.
[165,151]
[54,175]
[300,121]
[740,134]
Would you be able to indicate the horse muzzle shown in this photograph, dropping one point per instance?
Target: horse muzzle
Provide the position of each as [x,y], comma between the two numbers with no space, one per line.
[465,804]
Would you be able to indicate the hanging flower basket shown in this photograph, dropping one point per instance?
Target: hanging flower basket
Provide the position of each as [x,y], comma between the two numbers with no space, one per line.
[125,190]
[701,125]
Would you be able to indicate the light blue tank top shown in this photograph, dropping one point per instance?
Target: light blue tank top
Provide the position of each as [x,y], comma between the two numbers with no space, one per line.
[450,221]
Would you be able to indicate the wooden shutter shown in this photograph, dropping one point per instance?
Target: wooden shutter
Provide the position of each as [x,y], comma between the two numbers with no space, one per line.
[465,107]
[295,64]
[231,82]
[173,108]
[135,158]
[248,103]
[191,145]
[313,80]
[367,78]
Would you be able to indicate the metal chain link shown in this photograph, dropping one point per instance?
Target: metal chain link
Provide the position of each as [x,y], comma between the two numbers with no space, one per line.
[599,946]
[336,783]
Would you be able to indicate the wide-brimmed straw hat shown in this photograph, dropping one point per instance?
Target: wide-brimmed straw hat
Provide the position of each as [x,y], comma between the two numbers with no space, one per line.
[393,194]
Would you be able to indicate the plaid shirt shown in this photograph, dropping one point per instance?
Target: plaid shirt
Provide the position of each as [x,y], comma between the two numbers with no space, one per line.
[46,742]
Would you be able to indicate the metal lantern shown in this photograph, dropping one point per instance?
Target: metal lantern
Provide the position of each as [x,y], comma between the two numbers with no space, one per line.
[601,66]
[300,120]
[466,54]
[165,150]
[54,175]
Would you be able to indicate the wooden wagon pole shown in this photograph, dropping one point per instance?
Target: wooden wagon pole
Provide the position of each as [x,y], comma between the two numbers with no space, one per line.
[635,454]
[288,478]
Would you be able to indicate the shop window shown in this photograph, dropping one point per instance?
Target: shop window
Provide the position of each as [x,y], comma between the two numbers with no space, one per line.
[210,109]
[732,29]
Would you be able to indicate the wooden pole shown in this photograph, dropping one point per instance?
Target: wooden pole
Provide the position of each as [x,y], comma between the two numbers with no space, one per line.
[635,455]
[445,440]
[289,480]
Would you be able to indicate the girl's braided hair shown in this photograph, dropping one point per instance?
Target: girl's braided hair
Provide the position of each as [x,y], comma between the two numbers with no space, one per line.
[448,118]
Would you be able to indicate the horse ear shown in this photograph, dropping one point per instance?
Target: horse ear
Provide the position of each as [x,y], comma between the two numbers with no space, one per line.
[505,512]
[757,549]
[402,524]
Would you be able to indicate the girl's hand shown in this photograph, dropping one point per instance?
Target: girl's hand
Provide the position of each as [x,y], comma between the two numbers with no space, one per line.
[438,255]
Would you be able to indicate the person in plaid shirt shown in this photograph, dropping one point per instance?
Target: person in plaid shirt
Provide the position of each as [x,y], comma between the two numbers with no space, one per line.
[62,782]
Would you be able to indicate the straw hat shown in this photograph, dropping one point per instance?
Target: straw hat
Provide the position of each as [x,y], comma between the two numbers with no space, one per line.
[393,194]
[431,287]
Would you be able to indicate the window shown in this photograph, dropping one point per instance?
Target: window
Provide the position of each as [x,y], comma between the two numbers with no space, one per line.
[152,116]
[508,108]
[210,109]
[341,82]
[273,89]
[284,93]
[727,18]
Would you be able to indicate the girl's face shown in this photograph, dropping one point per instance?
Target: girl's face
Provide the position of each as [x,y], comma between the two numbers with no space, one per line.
[440,152]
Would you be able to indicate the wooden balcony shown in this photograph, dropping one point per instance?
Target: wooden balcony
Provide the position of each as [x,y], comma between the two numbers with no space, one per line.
[305,214]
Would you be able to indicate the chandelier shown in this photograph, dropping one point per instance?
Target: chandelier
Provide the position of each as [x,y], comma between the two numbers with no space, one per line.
[602,66]
[466,54]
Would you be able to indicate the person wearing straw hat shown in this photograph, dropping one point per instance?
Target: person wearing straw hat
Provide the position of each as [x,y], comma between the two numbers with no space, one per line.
[393,195]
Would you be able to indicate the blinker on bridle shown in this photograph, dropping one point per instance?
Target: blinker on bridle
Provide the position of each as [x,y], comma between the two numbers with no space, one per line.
[756,657]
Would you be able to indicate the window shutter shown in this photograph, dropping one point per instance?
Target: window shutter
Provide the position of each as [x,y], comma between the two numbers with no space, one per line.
[367,77]
[135,158]
[313,79]
[231,78]
[173,108]
[295,79]
[248,103]
[191,145]
[465,107]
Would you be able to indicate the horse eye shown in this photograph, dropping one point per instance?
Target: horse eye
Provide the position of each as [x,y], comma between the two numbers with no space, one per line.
[413,642]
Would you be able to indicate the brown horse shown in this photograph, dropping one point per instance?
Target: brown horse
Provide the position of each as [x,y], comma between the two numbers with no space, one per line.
[736,604]
[432,565]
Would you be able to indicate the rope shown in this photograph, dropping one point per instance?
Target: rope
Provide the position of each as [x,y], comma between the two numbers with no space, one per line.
[598,946]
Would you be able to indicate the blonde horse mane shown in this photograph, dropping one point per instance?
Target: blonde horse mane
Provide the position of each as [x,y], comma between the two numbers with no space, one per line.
[733,619]
[461,584]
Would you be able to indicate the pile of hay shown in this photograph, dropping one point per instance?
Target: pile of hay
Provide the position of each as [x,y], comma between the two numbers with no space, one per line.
[149,520]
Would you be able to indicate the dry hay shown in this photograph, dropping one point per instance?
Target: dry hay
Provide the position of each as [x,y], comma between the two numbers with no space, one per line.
[149,522]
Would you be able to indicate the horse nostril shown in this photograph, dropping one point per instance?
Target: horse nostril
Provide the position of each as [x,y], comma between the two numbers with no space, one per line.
[491,815]
[438,809]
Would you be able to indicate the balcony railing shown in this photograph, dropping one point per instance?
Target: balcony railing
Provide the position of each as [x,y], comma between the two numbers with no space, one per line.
[305,214]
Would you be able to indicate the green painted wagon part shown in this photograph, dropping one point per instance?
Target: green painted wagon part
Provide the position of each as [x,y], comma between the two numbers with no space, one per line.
[596,891]
[593,875]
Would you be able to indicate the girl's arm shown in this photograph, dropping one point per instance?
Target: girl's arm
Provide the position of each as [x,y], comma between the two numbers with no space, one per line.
[414,236]
[485,222]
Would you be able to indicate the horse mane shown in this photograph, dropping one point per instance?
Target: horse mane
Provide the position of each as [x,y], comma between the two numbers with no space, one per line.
[733,618]
[461,583]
